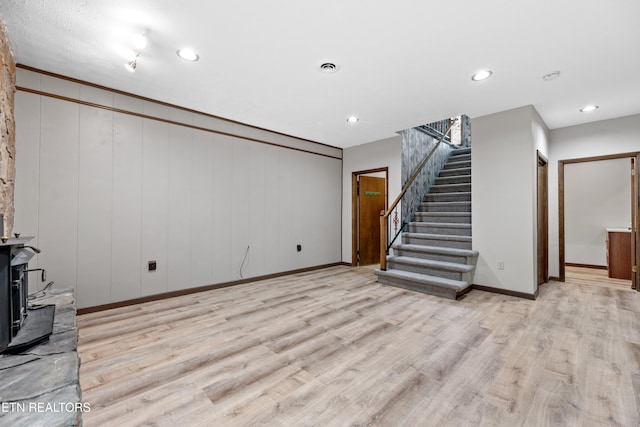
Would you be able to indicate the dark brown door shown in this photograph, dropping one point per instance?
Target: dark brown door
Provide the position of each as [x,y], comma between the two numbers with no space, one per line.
[371,201]
[543,220]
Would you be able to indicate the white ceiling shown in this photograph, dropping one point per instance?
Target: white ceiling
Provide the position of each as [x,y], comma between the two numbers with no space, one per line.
[402,63]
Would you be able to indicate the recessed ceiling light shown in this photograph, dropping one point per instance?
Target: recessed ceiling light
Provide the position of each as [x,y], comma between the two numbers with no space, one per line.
[329,68]
[352,119]
[481,75]
[551,76]
[188,54]
[589,108]
[139,41]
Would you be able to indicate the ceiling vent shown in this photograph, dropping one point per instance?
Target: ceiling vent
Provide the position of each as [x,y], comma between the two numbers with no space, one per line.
[328,68]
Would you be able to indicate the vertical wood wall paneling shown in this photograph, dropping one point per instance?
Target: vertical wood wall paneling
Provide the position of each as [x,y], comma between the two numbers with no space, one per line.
[58,214]
[258,200]
[202,194]
[126,208]
[155,207]
[271,209]
[286,241]
[94,205]
[27,190]
[106,191]
[222,215]
[180,158]
[240,205]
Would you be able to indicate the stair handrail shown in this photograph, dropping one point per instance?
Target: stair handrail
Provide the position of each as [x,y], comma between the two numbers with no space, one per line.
[384,216]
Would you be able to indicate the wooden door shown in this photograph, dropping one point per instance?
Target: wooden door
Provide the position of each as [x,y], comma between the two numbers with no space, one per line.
[371,201]
[635,212]
[543,220]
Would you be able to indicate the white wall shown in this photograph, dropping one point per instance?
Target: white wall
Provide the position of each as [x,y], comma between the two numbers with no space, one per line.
[620,135]
[374,155]
[597,196]
[104,192]
[504,166]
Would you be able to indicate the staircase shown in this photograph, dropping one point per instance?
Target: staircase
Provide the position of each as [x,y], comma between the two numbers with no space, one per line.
[435,256]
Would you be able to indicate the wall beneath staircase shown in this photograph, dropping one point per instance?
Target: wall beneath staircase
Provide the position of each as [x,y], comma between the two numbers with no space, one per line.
[107,182]
[504,197]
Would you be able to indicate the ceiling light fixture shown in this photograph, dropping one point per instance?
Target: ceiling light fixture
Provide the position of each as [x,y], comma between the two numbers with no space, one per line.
[352,119]
[139,41]
[589,108]
[132,65]
[481,75]
[188,54]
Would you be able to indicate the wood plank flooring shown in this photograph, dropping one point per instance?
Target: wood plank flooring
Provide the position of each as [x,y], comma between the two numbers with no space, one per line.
[335,348]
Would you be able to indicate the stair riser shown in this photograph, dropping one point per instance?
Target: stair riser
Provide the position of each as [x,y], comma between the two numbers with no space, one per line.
[455,172]
[447,231]
[431,207]
[460,179]
[448,197]
[460,152]
[433,256]
[417,287]
[450,188]
[455,164]
[437,242]
[434,217]
[447,274]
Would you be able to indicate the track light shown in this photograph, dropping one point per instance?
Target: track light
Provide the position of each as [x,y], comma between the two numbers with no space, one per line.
[132,65]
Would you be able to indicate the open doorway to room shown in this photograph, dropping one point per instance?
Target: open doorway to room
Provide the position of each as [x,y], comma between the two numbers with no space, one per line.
[598,216]
[369,199]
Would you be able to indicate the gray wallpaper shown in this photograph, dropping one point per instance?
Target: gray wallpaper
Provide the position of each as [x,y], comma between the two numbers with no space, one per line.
[415,146]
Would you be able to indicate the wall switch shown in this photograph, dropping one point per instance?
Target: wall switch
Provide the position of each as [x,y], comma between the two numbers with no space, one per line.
[500,265]
[152,266]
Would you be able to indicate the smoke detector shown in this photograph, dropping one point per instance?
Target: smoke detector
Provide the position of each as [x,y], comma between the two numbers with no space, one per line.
[328,68]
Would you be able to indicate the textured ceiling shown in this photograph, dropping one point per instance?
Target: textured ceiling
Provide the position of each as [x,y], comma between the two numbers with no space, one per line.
[402,63]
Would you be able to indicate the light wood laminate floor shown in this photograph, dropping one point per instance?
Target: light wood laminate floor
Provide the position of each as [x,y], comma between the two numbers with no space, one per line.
[334,348]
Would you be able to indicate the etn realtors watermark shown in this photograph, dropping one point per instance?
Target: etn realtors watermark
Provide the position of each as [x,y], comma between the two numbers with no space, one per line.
[44,407]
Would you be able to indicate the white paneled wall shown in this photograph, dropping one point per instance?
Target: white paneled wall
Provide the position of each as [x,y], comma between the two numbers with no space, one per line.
[104,192]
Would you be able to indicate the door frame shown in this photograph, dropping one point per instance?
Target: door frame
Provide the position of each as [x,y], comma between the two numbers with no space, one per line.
[355,176]
[542,218]
[561,221]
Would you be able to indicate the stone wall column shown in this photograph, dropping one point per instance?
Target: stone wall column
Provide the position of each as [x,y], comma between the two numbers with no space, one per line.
[7,130]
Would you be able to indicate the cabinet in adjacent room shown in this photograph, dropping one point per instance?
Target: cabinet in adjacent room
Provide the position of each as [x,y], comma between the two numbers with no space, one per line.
[619,253]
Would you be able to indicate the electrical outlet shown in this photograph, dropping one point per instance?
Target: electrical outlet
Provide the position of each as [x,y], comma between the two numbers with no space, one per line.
[500,265]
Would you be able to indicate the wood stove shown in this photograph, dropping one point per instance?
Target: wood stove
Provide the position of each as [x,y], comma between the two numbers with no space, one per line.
[19,325]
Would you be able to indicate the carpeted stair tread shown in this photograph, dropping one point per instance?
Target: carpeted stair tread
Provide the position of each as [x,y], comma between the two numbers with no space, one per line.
[428,263]
[436,250]
[459,151]
[438,237]
[442,224]
[453,163]
[453,286]
[442,214]
[455,172]
[451,188]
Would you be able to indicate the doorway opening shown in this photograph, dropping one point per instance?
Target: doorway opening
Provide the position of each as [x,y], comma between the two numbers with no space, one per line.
[634,242]
[369,197]
[543,218]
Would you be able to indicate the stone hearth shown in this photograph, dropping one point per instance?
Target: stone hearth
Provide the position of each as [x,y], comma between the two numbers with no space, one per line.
[40,386]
